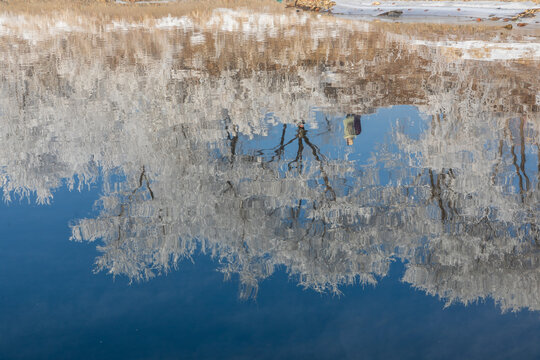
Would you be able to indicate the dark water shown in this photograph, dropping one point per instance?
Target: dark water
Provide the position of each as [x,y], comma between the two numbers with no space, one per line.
[191,191]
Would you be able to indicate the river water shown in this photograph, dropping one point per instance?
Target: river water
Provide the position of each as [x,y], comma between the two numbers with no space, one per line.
[262,184]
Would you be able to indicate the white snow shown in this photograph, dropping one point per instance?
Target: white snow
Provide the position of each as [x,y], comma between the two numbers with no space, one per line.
[484,50]
[174,22]
[435,9]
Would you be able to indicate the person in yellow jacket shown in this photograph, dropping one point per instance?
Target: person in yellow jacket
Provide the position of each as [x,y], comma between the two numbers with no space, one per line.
[352,126]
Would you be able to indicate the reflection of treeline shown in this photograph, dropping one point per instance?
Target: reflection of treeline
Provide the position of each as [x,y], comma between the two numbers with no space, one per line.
[173,112]
[356,70]
[457,244]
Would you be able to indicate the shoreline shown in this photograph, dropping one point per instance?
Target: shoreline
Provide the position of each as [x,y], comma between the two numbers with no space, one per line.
[364,9]
[78,14]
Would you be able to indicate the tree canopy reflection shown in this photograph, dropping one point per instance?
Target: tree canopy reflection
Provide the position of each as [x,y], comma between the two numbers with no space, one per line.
[242,156]
[464,233]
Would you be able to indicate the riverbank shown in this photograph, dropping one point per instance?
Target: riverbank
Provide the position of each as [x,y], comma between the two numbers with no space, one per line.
[130,10]
[416,11]
[34,20]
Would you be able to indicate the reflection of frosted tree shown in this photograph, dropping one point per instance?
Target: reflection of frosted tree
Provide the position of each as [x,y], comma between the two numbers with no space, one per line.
[489,244]
[252,226]
[254,218]
[460,208]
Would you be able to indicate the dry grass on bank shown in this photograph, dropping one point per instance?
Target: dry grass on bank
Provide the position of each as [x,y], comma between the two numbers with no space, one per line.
[199,10]
[110,9]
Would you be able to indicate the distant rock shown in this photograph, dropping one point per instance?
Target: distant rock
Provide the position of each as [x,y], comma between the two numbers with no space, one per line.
[393,13]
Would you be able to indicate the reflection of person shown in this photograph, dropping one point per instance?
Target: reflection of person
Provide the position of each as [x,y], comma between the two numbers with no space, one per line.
[352,126]
[301,130]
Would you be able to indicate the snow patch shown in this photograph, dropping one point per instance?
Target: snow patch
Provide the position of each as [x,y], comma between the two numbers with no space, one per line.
[431,9]
[174,22]
[489,51]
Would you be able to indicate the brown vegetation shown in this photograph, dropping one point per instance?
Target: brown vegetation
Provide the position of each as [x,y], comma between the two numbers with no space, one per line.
[111,9]
[312,5]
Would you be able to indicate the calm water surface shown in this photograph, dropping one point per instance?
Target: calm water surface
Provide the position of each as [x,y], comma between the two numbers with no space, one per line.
[260,185]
